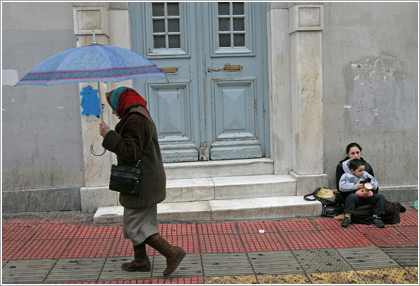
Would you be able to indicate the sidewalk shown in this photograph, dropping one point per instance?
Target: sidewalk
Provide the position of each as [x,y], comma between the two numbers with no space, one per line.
[69,248]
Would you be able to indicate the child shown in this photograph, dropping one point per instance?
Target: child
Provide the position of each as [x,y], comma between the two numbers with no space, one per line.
[352,182]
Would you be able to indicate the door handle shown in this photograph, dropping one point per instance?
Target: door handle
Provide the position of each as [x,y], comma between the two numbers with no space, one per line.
[227,68]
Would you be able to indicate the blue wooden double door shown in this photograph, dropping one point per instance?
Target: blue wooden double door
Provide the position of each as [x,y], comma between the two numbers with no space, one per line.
[213,104]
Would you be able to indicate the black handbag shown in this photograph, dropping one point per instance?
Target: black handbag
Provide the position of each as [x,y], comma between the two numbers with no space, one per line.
[331,205]
[125,179]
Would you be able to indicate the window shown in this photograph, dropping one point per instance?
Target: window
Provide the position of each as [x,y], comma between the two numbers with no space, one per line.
[231,19]
[166,26]
[232,29]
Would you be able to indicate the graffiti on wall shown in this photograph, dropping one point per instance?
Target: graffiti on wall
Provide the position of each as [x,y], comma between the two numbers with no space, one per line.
[90,101]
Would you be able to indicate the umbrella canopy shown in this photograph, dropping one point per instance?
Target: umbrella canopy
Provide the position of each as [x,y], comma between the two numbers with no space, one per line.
[91,63]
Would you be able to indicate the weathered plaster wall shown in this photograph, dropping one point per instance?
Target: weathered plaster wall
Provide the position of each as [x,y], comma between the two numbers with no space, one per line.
[370,91]
[42,142]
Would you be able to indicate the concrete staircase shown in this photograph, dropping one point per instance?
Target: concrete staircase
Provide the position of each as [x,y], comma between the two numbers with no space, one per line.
[224,190]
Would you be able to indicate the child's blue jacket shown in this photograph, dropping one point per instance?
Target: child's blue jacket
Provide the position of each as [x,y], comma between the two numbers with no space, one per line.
[348,181]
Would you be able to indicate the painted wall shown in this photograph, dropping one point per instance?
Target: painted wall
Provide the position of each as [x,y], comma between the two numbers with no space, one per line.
[370,91]
[370,95]
[42,141]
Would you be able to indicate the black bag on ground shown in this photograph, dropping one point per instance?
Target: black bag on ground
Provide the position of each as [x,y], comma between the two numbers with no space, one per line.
[125,179]
[330,200]
[363,214]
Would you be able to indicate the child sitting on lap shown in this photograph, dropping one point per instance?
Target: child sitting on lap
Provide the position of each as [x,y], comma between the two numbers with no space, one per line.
[353,182]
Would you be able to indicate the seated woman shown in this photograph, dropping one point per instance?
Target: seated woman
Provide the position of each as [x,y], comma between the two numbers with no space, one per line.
[353,151]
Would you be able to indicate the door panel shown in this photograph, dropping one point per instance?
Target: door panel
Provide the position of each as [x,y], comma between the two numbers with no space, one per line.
[234,120]
[170,106]
[211,106]
[165,33]
[235,69]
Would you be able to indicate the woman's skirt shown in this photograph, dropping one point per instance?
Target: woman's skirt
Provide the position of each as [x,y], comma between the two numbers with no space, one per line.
[139,224]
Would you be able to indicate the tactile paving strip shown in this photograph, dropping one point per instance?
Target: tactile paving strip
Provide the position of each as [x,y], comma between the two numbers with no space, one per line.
[305,240]
[56,231]
[263,242]
[188,242]
[321,260]
[41,249]
[89,231]
[366,258]
[112,270]
[326,223]
[294,225]
[386,237]
[27,271]
[177,229]
[243,279]
[18,232]
[13,249]
[404,256]
[345,237]
[122,247]
[226,264]
[75,270]
[412,270]
[343,277]
[275,262]
[387,276]
[256,226]
[88,248]
[411,232]
[189,267]
[220,243]
[409,218]
[217,228]
[284,279]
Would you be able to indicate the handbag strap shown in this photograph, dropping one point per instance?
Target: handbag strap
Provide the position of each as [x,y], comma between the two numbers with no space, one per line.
[306,197]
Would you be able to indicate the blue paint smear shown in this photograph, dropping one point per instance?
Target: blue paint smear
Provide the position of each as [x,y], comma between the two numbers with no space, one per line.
[90,101]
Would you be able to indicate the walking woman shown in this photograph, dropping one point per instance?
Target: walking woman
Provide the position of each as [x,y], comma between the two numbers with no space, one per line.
[135,137]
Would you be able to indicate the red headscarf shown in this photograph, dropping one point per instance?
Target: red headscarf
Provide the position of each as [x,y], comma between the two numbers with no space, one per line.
[120,99]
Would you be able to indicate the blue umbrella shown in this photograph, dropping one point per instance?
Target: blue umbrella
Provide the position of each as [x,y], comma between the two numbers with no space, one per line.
[91,63]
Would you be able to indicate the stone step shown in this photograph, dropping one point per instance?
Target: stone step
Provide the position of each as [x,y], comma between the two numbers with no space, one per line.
[219,210]
[235,187]
[206,169]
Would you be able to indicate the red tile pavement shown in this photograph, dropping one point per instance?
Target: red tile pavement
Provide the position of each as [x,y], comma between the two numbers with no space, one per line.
[217,228]
[345,237]
[295,225]
[44,238]
[327,223]
[301,240]
[255,226]
[387,237]
[256,242]
[178,229]
[224,243]
[411,232]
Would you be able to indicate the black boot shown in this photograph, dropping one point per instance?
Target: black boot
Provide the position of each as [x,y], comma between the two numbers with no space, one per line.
[141,262]
[173,254]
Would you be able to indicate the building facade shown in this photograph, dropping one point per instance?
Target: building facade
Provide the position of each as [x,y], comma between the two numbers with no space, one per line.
[270,91]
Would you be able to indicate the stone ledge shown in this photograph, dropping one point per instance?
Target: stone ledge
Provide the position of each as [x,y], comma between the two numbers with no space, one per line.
[215,210]
[41,200]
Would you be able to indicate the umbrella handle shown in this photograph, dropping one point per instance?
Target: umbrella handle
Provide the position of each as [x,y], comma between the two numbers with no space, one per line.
[96,153]
[100,109]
